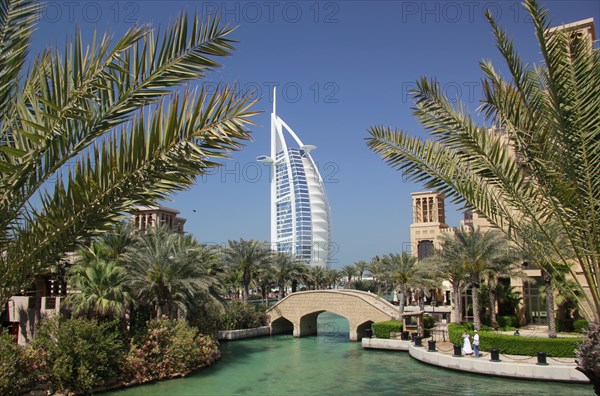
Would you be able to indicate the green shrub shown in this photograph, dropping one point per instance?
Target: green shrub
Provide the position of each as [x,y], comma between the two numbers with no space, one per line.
[509,321]
[19,366]
[517,345]
[428,322]
[79,354]
[466,325]
[207,317]
[383,329]
[170,348]
[580,325]
[239,315]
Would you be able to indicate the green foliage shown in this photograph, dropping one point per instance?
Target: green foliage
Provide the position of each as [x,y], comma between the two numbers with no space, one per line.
[507,321]
[19,366]
[580,325]
[168,349]
[170,270]
[383,329]
[239,315]
[517,345]
[428,322]
[80,354]
[363,285]
[102,288]
[121,125]
[245,257]
[207,317]
[537,166]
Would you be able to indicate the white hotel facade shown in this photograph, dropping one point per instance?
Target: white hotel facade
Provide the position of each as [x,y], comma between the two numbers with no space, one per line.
[299,208]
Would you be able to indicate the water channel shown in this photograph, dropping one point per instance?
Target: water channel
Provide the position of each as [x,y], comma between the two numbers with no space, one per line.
[329,364]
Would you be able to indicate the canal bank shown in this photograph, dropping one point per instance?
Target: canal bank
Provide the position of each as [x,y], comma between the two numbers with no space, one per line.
[329,364]
[510,366]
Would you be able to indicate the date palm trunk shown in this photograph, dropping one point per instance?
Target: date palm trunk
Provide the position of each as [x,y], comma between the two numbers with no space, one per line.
[476,318]
[456,296]
[401,299]
[550,305]
[280,295]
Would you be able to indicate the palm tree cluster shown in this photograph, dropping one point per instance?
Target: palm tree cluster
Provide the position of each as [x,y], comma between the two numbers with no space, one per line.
[172,274]
[250,264]
[399,273]
[89,133]
[165,272]
[468,258]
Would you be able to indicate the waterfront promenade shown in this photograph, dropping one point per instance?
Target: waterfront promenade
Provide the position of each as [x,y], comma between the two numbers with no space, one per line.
[510,366]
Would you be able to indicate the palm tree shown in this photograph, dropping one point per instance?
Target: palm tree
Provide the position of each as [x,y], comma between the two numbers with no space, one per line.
[442,266]
[264,279]
[379,270]
[476,253]
[349,271]
[361,266]
[317,277]
[508,299]
[502,267]
[299,275]
[168,271]
[117,240]
[537,252]
[89,133]
[101,286]
[541,163]
[245,257]
[333,277]
[284,269]
[402,268]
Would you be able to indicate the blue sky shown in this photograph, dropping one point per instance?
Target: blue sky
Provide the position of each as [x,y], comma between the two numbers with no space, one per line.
[340,67]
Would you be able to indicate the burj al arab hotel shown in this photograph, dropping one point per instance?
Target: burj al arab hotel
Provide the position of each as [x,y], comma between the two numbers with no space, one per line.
[299,207]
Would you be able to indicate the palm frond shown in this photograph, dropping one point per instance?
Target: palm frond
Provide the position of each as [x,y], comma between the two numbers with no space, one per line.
[160,155]
[543,165]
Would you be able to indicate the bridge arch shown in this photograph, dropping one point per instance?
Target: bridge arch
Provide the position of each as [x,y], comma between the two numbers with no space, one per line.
[301,309]
[282,326]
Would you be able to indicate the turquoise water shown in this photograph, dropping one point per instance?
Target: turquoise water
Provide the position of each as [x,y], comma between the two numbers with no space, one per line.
[329,364]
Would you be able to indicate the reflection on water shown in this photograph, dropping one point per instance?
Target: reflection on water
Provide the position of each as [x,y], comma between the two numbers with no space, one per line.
[329,364]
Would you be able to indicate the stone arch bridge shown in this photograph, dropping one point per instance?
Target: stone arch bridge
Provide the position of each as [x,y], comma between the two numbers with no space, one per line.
[297,312]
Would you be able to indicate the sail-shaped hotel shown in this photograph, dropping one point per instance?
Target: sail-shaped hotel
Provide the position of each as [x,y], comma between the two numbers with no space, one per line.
[299,207]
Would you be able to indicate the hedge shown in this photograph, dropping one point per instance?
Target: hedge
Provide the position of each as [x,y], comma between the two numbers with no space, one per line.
[517,345]
[383,329]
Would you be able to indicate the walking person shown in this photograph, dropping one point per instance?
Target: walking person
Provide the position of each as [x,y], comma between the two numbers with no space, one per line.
[476,344]
[467,344]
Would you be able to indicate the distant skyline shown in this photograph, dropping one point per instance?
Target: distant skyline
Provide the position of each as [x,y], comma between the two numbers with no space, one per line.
[340,67]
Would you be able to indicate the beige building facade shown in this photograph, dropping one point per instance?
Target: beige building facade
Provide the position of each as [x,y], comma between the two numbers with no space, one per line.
[146,217]
[429,223]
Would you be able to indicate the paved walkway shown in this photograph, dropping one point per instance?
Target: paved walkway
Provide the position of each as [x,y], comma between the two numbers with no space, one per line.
[512,366]
[528,331]
[448,348]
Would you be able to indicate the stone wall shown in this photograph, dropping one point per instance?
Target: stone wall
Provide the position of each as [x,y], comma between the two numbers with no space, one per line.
[244,333]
